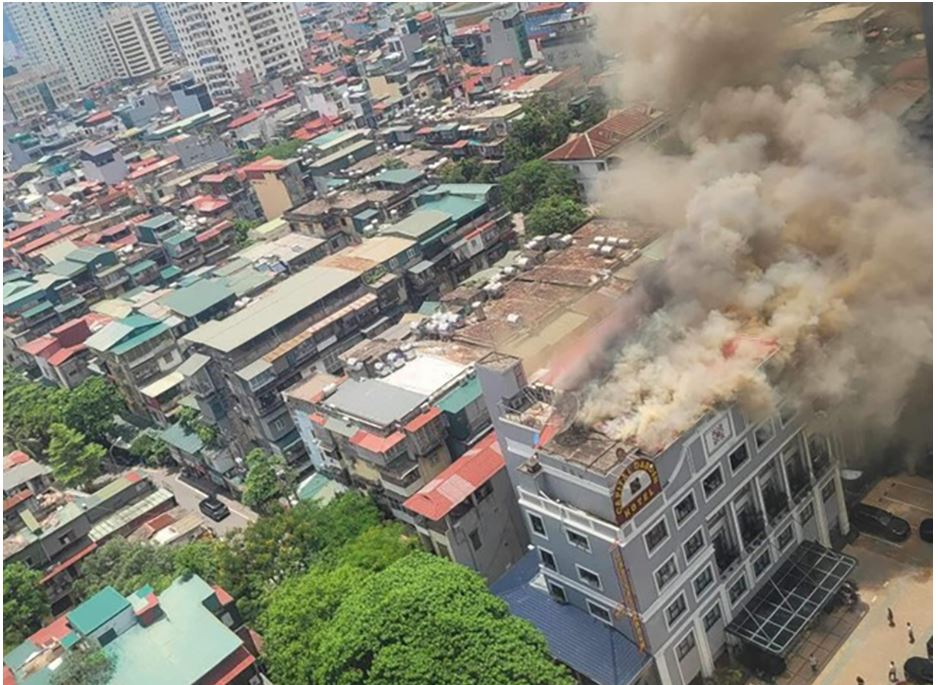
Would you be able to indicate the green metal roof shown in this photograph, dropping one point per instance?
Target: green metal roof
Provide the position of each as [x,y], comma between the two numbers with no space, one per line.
[179,238]
[461,397]
[116,487]
[139,338]
[38,309]
[157,222]
[419,224]
[170,272]
[178,437]
[458,207]
[97,610]
[319,488]
[398,176]
[140,266]
[86,255]
[198,297]
[67,268]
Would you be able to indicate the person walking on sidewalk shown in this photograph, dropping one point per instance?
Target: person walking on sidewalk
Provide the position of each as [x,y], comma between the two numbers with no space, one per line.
[813,661]
[908,626]
[889,617]
[893,675]
[860,681]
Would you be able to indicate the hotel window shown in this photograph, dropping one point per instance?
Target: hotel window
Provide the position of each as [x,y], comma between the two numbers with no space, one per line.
[685,646]
[557,592]
[664,574]
[739,457]
[785,538]
[547,559]
[738,589]
[703,581]
[711,617]
[537,525]
[675,610]
[685,508]
[713,482]
[657,535]
[578,540]
[590,578]
[693,545]
[764,432]
[599,612]
[762,562]
[807,513]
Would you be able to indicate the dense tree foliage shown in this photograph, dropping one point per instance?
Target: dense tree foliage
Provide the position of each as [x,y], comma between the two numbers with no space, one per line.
[299,608]
[426,620]
[90,409]
[127,566]
[284,149]
[394,163]
[242,229]
[191,420]
[267,481]
[554,214]
[149,449]
[537,180]
[545,124]
[469,170]
[75,462]
[25,603]
[84,667]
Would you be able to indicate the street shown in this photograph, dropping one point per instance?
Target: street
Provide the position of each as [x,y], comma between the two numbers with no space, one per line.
[189,497]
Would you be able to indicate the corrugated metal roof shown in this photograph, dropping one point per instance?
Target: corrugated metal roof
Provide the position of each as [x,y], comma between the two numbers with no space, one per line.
[374,401]
[119,519]
[588,646]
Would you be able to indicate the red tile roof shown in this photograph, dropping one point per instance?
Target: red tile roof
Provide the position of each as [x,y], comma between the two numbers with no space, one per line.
[70,230]
[44,220]
[154,166]
[243,120]
[281,99]
[215,230]
[54,632]
[207,204]
[376,443]
[15,458]
[422,419]
[75,558]
[605,136]
[458,480]
[265,164]
[323,69]
[223,596]
[472,29]
[228,670]
[13,500]
[98,118]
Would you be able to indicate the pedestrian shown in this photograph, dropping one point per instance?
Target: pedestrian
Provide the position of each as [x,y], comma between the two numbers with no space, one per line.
[813,663]
[889,617]
[860,681]
[908,626]
[893,675]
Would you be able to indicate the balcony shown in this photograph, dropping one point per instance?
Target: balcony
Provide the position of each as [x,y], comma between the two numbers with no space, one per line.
[752,529]
[727,556]
[820,455]
[403,481]
[776,504]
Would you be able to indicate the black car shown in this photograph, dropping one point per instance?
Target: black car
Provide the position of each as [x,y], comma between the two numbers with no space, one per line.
[918,670]
[924,530]
[879,522]
[214,508]
[928,646]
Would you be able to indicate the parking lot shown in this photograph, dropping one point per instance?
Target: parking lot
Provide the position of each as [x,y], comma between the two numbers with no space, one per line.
[890,575]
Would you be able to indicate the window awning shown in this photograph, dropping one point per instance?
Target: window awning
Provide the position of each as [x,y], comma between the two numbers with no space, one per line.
[792,598]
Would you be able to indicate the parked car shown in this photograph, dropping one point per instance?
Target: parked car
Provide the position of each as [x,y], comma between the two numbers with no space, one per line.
[924,530]
[214,508]
[918,670]
[928,646]
[879,522]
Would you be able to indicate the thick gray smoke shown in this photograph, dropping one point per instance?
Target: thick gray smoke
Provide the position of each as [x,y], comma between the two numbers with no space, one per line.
[799,217]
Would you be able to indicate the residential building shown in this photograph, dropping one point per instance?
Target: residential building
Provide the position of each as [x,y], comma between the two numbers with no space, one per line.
[468,513]
[233,48]
[677,548]
[61,355]
[190,97]
[133,352]
[103,162]
[189,634]
[592,152]
[65,34]
[499,38]
[166,23]
[24,479]
[60,530]
[569,42]
[187,449]
[35,91]
[135,42]
[277,183]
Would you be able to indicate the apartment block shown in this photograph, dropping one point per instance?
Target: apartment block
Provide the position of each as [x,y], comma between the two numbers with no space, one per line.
[135,42]
[673,553]
[37,90]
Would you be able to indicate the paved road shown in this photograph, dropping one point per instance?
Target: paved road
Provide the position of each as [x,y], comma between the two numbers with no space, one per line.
[188,496]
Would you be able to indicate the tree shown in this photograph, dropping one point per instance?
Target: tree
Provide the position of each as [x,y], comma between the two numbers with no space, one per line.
[267,480]
[126,566]
[149,449]
[298,608]
[84,667]
[90,409]
[545,124]
[424,619]
[394,163]
[74,461]
[554,215]
[25,603]
[468,170]
[285,149]
[28,410]
[242,229]
[537,180]
[191,420]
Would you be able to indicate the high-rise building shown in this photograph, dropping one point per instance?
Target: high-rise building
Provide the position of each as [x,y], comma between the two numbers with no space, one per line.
[166,23]
[33,91]
[233,46]
[134,42]
[64,34]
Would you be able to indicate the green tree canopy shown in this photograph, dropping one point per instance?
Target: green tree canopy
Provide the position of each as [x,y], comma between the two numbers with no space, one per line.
[74,461]
[127,566]
[25,603]
[468,170]
[84,667]
[149,449]
[394,163]
[266,482]
[426,620]
[537,180]
[300,607]
[284,149]
[29,409]
[554,214]
[192,421]
[242,229]
[545,124]
[90,408]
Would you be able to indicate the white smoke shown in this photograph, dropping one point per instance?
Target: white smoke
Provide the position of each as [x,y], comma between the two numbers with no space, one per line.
[799,216]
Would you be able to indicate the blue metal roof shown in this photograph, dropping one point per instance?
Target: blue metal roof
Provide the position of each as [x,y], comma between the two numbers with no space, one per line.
[584,643]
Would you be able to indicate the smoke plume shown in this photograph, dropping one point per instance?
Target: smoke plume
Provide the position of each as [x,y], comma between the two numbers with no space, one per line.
[798,217]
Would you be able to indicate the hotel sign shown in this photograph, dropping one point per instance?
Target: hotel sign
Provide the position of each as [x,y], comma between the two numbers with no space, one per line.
[636,486]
